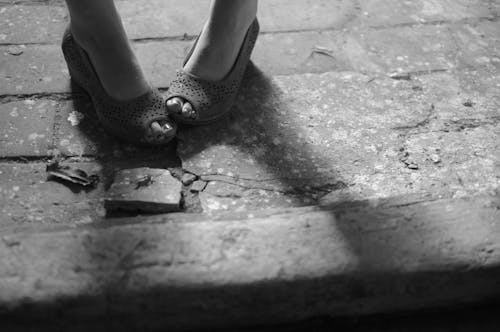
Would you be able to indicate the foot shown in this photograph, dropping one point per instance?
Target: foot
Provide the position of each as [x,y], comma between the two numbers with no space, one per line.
[117,66]
[217,47]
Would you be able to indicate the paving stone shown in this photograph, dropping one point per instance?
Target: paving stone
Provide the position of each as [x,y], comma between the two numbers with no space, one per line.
[393,12]
[144,189]
[26,127]
[33,23]
[310,135]
[44,23]
[478,45]
[26,197]
[41,68]
[159,18]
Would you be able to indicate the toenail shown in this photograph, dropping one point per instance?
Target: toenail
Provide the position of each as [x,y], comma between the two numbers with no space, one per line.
[175,105]
[156,126]
[187,110]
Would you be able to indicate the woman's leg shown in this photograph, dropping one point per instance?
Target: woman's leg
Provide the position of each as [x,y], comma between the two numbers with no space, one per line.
[97,27]
[218,44]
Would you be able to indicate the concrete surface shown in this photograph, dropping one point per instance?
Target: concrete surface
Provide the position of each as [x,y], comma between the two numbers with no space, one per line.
[286,267]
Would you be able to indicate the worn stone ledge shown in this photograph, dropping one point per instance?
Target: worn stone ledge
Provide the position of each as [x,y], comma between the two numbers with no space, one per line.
[363,259]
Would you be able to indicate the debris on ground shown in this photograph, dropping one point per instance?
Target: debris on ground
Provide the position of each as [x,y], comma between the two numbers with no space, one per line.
[468,103]
[75,118]
[322,50]
[436,159]
[14,50]
[400,76]
[71,174]
[404,157]
[198,186]
[188,179]
[148,190]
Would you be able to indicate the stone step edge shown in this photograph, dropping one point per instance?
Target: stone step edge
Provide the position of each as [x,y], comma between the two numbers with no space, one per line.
[346,261]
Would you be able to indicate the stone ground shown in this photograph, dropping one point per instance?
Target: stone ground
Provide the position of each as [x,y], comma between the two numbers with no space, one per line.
[345,102]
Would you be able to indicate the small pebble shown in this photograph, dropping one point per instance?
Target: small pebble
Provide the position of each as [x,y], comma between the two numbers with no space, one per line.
[468,103]
[198,186]
[188,178]
[15,51]
[435,158]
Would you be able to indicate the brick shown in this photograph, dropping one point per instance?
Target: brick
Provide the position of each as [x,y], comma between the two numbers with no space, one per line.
[26,127]
[170,18]
[39,22]
[41,69]
[35,23]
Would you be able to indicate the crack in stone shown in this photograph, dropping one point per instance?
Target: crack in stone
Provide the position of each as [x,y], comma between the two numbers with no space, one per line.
[311,190]
[470,123]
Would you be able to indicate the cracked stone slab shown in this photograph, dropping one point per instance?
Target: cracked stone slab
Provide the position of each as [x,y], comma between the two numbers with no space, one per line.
[297,140]
[41,68]
[144,189]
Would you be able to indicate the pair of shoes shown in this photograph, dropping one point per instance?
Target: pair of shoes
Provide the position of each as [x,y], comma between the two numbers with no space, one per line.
[130,120]
[212,100]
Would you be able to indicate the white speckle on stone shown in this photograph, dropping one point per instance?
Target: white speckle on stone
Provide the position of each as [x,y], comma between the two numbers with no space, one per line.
[84,220]
[75,118]
[15,188]
[14,113]
[35,136]
[213,204]
[29,102]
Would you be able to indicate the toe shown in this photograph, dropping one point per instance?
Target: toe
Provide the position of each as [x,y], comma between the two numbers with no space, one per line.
[156,128]
[188,112]
[174,105]
[162,131]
